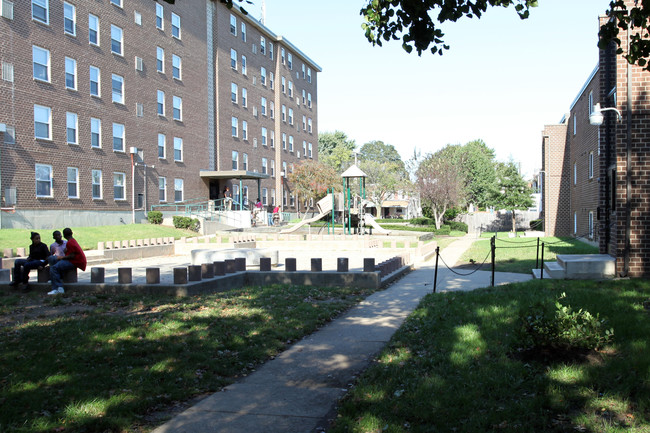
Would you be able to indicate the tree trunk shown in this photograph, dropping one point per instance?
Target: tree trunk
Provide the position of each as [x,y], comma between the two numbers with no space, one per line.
[514,222]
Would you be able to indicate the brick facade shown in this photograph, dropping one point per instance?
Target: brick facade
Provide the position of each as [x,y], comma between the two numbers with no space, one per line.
[202,85]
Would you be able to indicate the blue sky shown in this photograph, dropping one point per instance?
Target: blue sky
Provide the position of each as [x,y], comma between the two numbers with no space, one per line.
[502,80]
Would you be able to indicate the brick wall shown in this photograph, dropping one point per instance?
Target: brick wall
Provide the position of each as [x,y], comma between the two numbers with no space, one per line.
[556,189]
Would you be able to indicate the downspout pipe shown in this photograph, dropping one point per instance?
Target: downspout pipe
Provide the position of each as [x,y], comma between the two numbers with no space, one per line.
[628,174]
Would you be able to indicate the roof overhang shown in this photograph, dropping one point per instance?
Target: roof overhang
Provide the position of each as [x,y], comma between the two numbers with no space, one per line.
[232,174]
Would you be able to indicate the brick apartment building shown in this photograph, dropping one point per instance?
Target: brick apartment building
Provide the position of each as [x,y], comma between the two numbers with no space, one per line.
[596,180]
[111,106]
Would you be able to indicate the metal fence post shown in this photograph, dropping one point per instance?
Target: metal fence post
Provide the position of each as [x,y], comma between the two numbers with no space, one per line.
[435,274]
[492,248]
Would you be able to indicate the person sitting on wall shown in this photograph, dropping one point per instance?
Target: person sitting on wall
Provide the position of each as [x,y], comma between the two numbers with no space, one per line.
[37,259]
[74,258]
[57,248]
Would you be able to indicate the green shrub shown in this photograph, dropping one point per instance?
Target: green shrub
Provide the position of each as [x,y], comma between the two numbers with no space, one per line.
[444,230]
[155,217]
[422,221]
[537,224]
[451,214]
[457,225]
[544,325]
[181,222]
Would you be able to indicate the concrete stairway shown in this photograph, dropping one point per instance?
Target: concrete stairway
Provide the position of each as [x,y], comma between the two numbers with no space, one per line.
[579,267]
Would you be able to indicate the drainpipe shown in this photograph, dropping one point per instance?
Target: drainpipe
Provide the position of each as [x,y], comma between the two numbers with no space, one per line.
[628,174]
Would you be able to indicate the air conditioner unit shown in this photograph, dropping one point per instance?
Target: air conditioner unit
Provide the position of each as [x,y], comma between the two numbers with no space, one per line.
[255,111]
[297,154]
[254,142]
[139,66]
[7,9]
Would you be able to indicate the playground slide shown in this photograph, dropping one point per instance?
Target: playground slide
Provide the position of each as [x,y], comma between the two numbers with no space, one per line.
[370,220]
[306,221]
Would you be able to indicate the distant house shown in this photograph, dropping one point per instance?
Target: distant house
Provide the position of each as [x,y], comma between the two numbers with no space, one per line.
[595,178]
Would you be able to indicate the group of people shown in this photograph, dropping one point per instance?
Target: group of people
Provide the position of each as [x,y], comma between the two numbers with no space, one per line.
[62,256]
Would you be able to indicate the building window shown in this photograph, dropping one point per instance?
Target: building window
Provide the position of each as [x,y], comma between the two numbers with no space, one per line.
[41,11]
[244,97]
[178,149]
[264,134]
[233,59]
[272,139]
[262,45]
[8,72]
[575,125]
[243,32]
[271,80]
[160,60]
[139,109]
[162,139]
[304,123]
[282,56]
[284,85]
[265,193]
[71,127]
[43,180]
[303,71]
[176,26]
[291,143]
[118,186]
[591,225]
[178,190]
[270,50]
[118,137]
[291,89]
[304,149]
[263,75]
[96,179]
[118,89]
[290,61]
[264,165]
[137,17]
[10,135]
[245,162]
[70,73]
[290,116]
[42,122]
[284,113]
[159,16]
[273,170]
[94,81]
[235,160]
[162,189]
[95,133]
[116,39]
[233,92]
[591,165]
[176,67]
[575,173]
[309,125]
[304,97]
[244,130]
[177,103]
[284,141]
[309,146]
[117,3]
[309,75]
[161,103]
[243,65]
[272,110]
[233,25]
[263,106]
[309,100]
[69,19]
[73,182]
[235,126]
[41,61]
[575,223]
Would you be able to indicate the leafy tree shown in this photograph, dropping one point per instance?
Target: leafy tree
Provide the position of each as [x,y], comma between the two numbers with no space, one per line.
[311,179]
[478,167]
[512,190]
[440,184]
[637,19]
[384,178]
[381,152]
[335,149]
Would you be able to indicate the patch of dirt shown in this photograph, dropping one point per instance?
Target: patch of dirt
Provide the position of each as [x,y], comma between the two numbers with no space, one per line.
[548,355]
[35,305]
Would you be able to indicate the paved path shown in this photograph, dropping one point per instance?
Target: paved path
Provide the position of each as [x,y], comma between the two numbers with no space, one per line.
[298,390]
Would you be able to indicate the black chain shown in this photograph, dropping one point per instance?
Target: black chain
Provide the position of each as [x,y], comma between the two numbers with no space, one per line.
[460,273]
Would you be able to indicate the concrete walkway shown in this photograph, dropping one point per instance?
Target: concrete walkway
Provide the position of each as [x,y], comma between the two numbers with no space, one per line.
[298,390]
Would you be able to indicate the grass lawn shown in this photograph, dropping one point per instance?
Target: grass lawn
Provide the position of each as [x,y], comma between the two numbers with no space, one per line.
[454,366]
[519,254]
[99,363]
[88,237]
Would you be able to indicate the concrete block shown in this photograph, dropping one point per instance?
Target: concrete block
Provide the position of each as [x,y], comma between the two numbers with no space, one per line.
[231,266]
[207,270]
[145,242]
[240,264]
[342,264]
[369,265]
[5,275]
[20,252]
[290,264]
[124,275]
[100,246]
[194,273]
[8,253]
[139,242]
[132,243]
[219,268]
[159,241]
[117,245]
[265,263]
[316,264]
[70,276]
[153,275]
[152,241]
[125,244]
[180,275]
[97,275]
[43,275]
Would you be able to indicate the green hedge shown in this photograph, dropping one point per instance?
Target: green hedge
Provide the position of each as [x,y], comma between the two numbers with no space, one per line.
[444,230]
[181,222]
[457,225]
[155,217]
[422,221]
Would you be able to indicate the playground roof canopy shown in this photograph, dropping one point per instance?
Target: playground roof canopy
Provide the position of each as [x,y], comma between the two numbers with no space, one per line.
[353,171]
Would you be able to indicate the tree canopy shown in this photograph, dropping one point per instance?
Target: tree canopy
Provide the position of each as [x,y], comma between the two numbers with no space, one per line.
[335,149]
[512,191]
[440,184]
[637,19]
[311,179]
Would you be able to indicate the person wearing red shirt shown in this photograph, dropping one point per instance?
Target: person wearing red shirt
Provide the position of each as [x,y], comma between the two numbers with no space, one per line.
[74,258]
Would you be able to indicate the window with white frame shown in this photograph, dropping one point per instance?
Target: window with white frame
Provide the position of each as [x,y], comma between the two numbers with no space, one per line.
[304,96]
[291,143]
[235,193]
[162,141]
[69,19]
[117,38]
[304,123]
[309,100]
[73,182]
[162,189]
[244,130]
[265,163]
[309,75]
[71,128]
[176,26]
[235,126]
[263,103]
[118,137]
[273,169]
[96,179]
[272,110]
[272,139]
[160,59]
[233,59]
[178,190]
[95,133]
[575,125]
[265,196]
[284,113]
[137,17]
[575,173]
[161,103]
[271,50]
[233,92]
[177,102]
[291,89]
[42,122]
[243,31]
[282,56]
[272,196]
[244,97]
[262,45]
[309,146]
[119,181]
[590,223]
[178,149]
[70,73]
[290,61]
[43,180]
[235,160]
[41,11]
[284,140]
[117,3]
[264,136]
[290,116]
[245,162]
[41,63]
[263,75]
[160,23]
[284,85]
[177,67]
[243,64]
[309,125]
[284,197]
[117,88]
[233,25]
[303,71]
[304,148]
[94,81]
[575,223]
[271,80]
[591,165]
